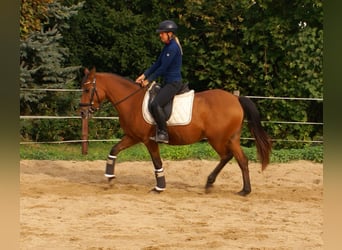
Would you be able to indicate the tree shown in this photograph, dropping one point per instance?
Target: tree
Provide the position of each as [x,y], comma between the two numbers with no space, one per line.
[33,13]
[42,58]
[116,36]
[213,33]
[284,46]
[260,47]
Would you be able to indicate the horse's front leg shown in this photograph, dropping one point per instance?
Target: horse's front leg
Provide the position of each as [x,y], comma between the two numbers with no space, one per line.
[153,149]
[124,143]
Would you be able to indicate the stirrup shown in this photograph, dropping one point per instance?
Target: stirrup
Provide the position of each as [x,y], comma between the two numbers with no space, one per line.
[161,136]
[153,138]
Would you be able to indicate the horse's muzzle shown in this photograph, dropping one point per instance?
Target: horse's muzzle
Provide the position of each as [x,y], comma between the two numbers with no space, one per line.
[87,110]
[84,113]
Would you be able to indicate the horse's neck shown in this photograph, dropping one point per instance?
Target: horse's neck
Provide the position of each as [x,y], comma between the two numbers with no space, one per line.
[119,91]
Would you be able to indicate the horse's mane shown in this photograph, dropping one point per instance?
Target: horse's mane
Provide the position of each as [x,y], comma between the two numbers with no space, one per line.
[119,76]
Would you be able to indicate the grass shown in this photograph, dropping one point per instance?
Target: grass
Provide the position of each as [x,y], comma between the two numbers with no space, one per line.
[202,150]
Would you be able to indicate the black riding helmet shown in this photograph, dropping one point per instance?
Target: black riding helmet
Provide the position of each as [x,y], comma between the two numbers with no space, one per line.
[167,26]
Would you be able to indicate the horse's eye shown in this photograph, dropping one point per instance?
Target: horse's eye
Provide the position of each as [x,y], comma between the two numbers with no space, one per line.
[86,91]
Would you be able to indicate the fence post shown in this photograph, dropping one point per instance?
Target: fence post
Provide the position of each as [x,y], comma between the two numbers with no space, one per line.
[85,135]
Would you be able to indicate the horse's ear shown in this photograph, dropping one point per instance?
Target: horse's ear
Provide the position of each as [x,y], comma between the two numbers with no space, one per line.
[93,70]
[86,71]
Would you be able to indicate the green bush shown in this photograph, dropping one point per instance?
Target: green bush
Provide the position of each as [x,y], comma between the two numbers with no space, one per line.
[201,150]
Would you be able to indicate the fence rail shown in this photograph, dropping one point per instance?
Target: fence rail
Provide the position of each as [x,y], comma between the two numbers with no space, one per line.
[66,117]
[252,97]
[23,117]
[117,118]
[117,140]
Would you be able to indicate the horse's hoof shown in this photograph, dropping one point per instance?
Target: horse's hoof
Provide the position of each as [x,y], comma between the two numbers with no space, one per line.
[157,190]
[208,188]
[110,181]
[243,192]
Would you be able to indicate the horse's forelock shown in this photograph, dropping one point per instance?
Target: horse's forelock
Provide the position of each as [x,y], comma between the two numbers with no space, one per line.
[84,80]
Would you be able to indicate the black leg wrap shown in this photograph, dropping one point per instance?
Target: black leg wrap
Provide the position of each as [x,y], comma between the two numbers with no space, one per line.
[110,166]
[161,184]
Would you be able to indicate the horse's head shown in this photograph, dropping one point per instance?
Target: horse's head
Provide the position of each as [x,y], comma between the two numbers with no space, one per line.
[90,100]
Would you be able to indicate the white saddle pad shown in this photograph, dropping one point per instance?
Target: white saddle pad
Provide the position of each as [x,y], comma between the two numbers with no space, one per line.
[181,109]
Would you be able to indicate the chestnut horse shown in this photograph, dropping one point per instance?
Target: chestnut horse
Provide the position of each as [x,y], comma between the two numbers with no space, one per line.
[217,117]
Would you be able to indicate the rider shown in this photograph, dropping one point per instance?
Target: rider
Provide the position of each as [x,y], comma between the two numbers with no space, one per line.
[168,66]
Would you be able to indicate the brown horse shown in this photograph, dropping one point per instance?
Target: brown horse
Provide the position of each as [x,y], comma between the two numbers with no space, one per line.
[217,117]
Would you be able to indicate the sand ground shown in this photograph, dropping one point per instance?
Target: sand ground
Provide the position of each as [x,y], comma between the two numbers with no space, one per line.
[69,205]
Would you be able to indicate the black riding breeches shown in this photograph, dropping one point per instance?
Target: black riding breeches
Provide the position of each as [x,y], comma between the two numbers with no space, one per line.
[165,95]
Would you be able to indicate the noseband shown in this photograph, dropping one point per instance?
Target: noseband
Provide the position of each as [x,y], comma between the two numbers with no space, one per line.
[93,93]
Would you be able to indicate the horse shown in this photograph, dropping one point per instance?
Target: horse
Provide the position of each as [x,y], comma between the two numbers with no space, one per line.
[217,117]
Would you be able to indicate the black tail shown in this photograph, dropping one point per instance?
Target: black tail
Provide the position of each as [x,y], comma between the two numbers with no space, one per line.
[263,141]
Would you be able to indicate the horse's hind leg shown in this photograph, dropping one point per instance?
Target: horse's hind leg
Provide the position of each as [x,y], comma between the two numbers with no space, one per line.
[243,164]
[212,177]
[226,153]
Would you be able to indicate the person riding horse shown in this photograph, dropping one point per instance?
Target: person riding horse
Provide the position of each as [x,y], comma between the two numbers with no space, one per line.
[168,66]
[228,115]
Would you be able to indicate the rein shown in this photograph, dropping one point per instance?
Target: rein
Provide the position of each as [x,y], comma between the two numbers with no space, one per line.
[125,98]
[94,92]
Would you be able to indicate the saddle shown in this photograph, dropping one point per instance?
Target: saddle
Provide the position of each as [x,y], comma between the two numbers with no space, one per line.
[155,88]
[178,111]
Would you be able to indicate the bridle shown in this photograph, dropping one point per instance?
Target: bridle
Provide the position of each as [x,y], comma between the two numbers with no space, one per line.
[94,92]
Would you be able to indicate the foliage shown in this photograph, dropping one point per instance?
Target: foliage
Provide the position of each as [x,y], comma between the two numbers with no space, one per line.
[33,13]
[314,154]
[42,57]
[259,47]
[201,150]
[48,130]
[43,61]
[284,46]
[262,48]
[116,37]
[213,33]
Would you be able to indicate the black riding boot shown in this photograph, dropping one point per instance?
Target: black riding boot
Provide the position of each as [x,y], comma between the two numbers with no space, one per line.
[161,128]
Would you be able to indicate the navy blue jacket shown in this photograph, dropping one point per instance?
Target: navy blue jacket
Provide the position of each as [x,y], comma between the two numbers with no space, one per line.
[168,64]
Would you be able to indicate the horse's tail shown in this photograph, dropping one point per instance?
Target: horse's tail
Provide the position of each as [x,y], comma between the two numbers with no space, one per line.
[263,141]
